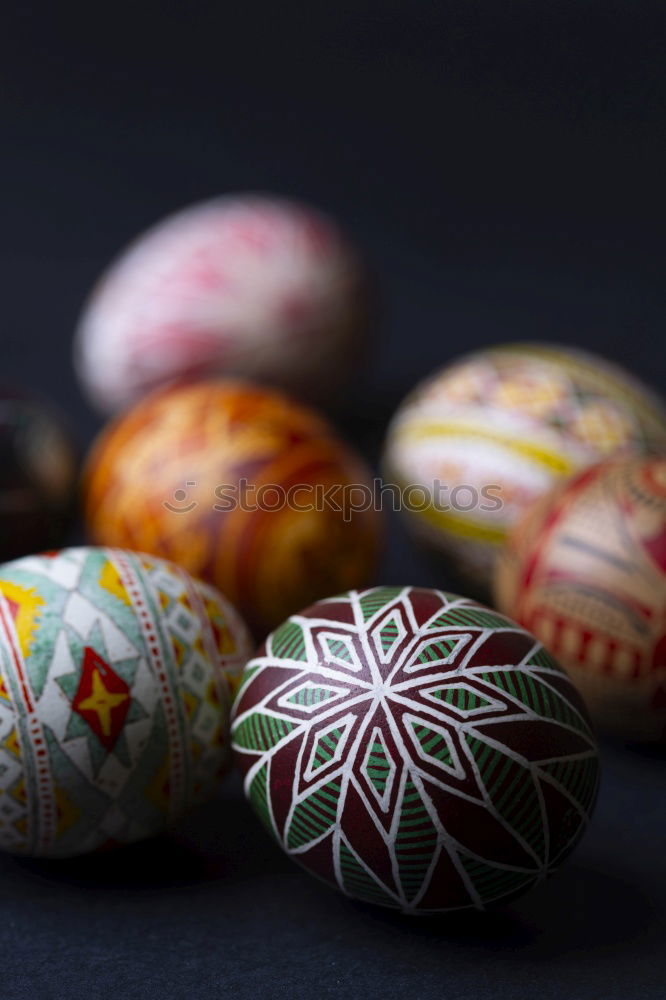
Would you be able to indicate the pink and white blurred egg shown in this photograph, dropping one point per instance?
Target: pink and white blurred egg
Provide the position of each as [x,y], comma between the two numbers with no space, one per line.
[247,285]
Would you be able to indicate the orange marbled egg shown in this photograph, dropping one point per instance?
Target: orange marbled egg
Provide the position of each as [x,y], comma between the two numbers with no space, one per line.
[242,487]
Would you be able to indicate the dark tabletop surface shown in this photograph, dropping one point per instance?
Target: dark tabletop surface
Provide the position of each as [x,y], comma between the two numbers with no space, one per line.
[502,166]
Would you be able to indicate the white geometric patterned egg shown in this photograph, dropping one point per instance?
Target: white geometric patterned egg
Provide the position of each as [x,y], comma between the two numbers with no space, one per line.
[116,674]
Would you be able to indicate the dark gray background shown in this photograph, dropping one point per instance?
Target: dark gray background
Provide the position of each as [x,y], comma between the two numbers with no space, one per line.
[502,166]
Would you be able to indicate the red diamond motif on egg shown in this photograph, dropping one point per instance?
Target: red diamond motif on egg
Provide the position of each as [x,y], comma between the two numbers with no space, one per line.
[102,698]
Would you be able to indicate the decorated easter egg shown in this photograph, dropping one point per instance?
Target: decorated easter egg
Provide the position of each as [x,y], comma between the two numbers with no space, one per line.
[115,678]
[246,285]
[415,749]
[242,487]
[38,469]
[484,437]
[585,570]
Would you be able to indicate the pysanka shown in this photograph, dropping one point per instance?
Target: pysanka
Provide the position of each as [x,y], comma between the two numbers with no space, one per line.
[115,677]
[243,285]
[415,749]
[585,570]
[500,427]
[38,476]
[157,480]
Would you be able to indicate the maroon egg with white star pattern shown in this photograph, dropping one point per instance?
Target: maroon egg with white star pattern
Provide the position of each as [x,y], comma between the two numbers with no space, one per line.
[415,749]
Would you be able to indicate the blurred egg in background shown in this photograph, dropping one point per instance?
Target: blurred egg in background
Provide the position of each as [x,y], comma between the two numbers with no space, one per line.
[38,475]
[585,571]
[246,285]
[494,430]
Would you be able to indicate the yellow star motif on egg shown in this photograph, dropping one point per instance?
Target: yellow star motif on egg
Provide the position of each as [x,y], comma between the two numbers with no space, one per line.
[102,702]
